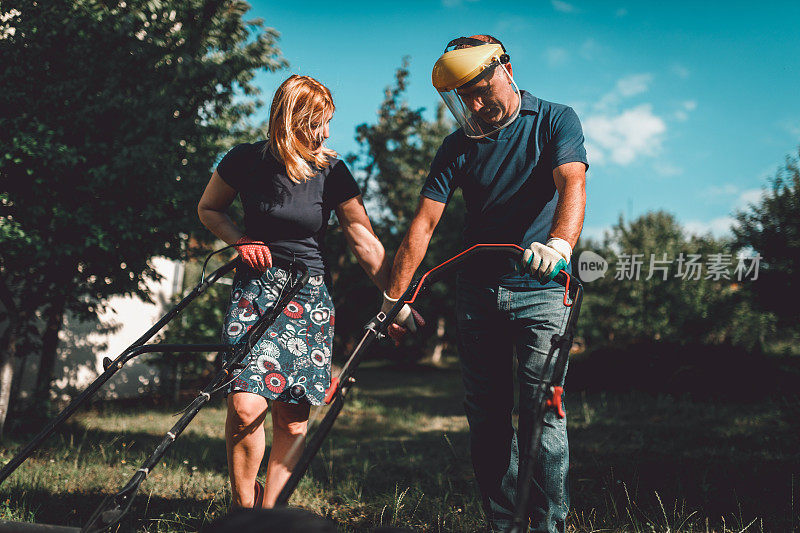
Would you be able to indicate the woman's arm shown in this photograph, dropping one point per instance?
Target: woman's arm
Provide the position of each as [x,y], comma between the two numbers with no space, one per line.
[212,210]
[213,206]
[363,242]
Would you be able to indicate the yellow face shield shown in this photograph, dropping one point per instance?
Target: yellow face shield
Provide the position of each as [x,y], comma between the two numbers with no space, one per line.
[477,88]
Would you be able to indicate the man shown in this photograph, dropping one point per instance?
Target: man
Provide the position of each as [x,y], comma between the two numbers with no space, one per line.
[521,165]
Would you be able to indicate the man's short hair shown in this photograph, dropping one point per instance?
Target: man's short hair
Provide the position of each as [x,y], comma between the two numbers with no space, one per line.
[485,37]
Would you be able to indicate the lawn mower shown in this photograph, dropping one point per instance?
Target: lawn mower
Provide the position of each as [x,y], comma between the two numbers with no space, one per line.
[548,393]
[114,507]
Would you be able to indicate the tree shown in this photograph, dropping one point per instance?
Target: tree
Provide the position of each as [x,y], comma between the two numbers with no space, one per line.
[396,152]
[111,116]
[636,304]
[394,158]
[771,228]
[200,323]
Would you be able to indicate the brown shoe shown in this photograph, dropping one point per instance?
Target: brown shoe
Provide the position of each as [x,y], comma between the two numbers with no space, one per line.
[258,501]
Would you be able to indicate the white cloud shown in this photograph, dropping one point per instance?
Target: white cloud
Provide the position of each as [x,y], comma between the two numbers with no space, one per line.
[728,189]
[680,71]
[633,85]
[556,56]
[625,88]
[718,227]
[682,114]
[512,24]
[667,169]
[596,233]
[619,132]
[749,196]
[590,49]
[455,3]
[738,197]
[562,6]
[621,135]
[792,127]
[625,136]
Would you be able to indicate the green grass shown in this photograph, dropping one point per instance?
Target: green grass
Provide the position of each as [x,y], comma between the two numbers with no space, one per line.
[398,455]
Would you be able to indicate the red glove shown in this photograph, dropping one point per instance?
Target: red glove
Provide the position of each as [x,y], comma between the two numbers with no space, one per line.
[255,255]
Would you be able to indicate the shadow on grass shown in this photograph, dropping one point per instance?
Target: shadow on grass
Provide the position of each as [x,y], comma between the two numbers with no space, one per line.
[402,435]
[722,460]
[149,513]
[723,456]
[422,389]
[80,444]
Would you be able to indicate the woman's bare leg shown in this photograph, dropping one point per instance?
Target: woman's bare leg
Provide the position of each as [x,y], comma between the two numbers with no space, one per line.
[245,442]
[289,424]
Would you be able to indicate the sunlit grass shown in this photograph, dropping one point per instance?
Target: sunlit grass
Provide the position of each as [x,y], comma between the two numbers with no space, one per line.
[398,455]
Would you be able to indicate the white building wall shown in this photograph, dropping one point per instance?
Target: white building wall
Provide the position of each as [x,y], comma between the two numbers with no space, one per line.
[83,345]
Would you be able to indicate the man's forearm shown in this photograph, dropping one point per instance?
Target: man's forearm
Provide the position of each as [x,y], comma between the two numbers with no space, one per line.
[409,256]
[570,209]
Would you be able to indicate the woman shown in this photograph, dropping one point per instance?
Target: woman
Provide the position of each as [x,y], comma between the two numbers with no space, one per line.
[288,184]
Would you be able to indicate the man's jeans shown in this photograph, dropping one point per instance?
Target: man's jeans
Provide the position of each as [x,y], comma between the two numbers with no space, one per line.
[493,324]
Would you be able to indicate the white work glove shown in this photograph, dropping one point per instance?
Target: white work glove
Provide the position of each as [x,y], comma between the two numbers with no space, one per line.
[544,261]
[404,318]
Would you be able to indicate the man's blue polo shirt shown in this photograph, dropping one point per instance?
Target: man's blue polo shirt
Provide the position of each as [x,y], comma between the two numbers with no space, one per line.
[507,182]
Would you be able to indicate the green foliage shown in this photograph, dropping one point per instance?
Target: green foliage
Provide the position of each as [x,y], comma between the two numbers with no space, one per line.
[394,158]
[107,141]
[677,309]
[771,228]
[396,153]
[200,323]
[112,117]
[750,313]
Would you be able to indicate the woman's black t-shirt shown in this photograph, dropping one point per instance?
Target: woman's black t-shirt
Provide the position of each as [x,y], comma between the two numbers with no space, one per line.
[291,218]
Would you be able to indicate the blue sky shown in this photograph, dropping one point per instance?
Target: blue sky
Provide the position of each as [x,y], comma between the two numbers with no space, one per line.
[686,106]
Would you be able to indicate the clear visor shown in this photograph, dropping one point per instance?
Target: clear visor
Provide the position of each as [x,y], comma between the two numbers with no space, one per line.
[487,103]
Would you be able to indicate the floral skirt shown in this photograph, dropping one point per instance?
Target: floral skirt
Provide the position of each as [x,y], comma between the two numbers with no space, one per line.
[292,360]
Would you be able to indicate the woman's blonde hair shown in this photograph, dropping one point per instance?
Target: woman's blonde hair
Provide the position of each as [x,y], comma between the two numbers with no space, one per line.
[299,111]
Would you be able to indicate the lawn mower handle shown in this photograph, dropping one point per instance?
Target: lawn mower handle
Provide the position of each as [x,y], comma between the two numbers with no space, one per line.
[110,367]
[550,391]
[114,507]
[572,285]
[378,326]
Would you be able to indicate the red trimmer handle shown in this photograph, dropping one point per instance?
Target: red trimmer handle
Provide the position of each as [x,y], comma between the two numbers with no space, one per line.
[334,386]
[555,401]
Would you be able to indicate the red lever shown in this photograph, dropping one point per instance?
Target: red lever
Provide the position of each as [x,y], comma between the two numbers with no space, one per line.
[334,386]
[566,291]
[555,401]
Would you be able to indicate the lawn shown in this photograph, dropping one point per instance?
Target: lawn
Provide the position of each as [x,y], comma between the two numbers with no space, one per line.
[398,455]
